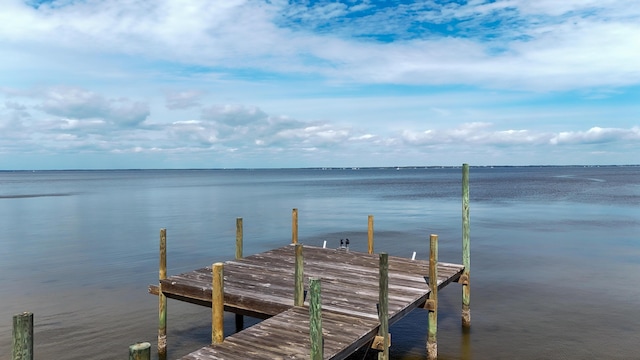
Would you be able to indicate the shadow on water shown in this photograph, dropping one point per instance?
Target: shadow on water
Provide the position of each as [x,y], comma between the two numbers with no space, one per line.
[26,196]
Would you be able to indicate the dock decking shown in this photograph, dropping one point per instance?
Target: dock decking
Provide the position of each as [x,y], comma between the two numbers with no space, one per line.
[262,286]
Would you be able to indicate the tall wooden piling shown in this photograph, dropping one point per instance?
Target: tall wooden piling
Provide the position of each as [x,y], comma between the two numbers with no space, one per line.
[22,337]
[217,303]
[383,301]
[299,277]
[294,226]
[465,278]
[162,299]
[140,351]
[370,234]
[315,320]
[239,238]
[432,303]
[239,247]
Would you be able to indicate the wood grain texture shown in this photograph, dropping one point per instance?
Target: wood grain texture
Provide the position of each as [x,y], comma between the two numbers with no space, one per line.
[466,250]
[22,336]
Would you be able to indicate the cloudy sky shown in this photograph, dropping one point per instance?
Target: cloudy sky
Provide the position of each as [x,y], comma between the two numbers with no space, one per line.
[90,84]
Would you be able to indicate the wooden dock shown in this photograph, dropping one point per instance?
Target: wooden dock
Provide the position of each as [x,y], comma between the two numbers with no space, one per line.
[262,286]
[354,297]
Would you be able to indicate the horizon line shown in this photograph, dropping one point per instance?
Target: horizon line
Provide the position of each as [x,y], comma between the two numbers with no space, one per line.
[409,167]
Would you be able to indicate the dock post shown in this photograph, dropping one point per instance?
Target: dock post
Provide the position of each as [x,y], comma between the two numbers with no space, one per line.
[383,300]
[294,226]
[140,351]
[432,303]
[162,300]
[370,234]
[466,250]
[239,238]
[315,320]
[239,247]
[22,336]
[217,303]
[299,277]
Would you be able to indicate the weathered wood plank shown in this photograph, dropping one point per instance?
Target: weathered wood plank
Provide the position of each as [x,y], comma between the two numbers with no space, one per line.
[287,336]
[255,287]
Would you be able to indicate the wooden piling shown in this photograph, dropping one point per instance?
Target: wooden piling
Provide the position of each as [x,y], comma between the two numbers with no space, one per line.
[239,238]
[162,299]
[383,300]
[22,336]
[315,320]
[465,278]
[299,277]
[294,226]
[140,351]
[370,234]
[239,247]
[217,303]
[432,302]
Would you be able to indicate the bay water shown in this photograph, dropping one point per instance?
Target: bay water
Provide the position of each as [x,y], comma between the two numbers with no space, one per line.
[555,252]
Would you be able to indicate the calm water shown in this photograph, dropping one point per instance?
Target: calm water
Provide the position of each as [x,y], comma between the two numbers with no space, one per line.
[555,252]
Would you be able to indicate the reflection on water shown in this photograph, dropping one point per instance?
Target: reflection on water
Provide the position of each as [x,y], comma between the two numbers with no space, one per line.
[554,252]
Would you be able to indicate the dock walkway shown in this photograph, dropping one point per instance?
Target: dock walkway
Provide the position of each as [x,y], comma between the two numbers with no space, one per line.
[262,286]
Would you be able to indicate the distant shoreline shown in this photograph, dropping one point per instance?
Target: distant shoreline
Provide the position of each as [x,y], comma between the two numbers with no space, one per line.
[334,168]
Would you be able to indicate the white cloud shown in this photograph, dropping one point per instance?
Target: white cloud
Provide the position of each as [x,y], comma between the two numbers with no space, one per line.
[555,8]
[596,135]
[13,120]
[193,133]
[183,99]
[11,105]
[234,115]
[328,79]
[483,134]
[364,137]
[541,45]
[240,127]
[77,125]
[315,134]
[74,105]
[75,119]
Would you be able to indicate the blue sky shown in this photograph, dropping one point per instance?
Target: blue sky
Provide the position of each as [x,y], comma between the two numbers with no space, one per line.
[88,84]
